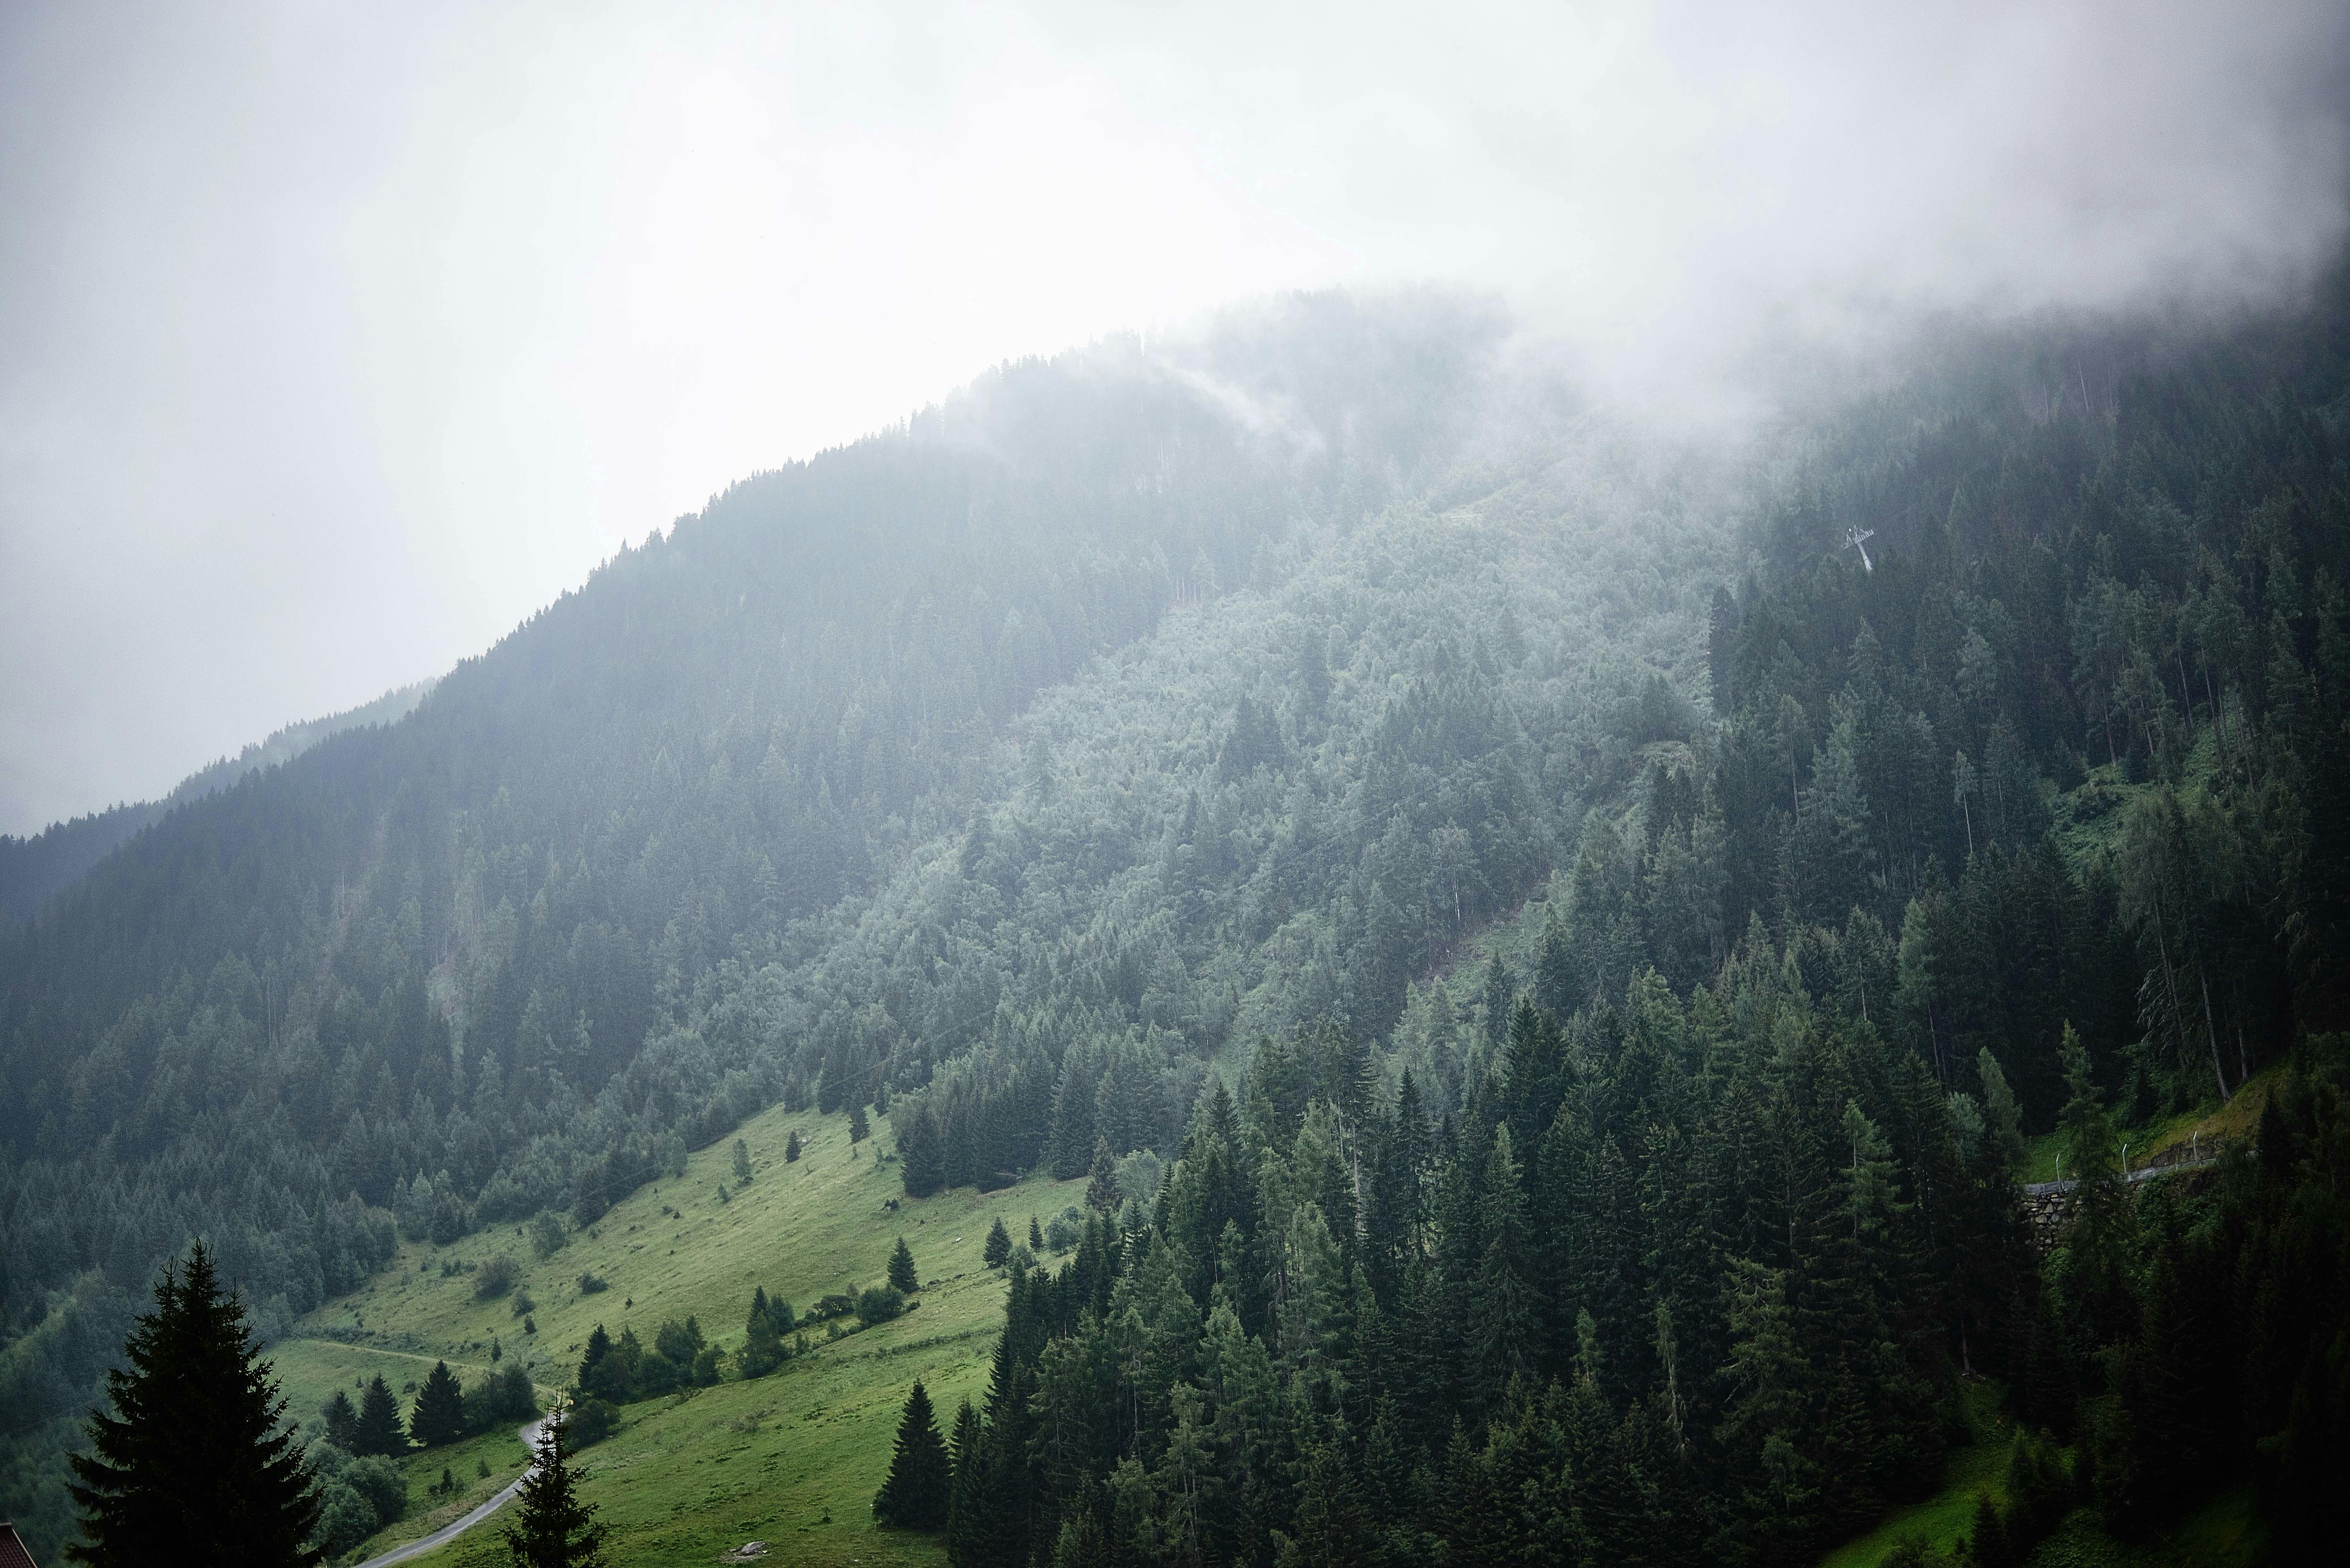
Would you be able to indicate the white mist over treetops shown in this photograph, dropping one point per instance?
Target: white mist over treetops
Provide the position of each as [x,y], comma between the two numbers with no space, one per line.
[334,339]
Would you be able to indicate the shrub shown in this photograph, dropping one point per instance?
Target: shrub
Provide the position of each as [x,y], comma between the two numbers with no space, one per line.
[345,1518]
[383,1483]
[1067,1229]
[590,1283]
[496,1278]
[523,1306]
[1910,1551]
[831,1306]
[501,1396]
[880,1303]
[592,1420]
[547,1234]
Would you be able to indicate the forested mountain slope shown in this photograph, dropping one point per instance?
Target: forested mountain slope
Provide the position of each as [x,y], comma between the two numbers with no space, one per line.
[36,867]
[423,947]
[1123,759]
[2032,820]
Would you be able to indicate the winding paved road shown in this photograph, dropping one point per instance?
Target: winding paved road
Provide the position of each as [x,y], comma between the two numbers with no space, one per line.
[448,1533]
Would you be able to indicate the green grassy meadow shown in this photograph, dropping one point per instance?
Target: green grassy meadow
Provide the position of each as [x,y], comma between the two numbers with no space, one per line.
[792,1459]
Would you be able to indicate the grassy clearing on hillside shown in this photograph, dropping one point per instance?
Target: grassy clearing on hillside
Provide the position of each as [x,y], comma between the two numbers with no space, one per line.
[792,1459]
[1978,1464]
[2211,1122]
[2225,1534]
[310,1370]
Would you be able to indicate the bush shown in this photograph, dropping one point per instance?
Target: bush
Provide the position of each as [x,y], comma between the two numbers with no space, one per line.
[1067,1229]
[592,1420]
[547,1234]
[345,1518]
[1910,1551]
[832,1306]
[523,1306]
[383,1483]
[880,1303]
[590,1283]
[496,1278]
[500,1397]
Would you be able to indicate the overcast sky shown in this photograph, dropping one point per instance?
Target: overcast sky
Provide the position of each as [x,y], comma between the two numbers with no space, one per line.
[336,338]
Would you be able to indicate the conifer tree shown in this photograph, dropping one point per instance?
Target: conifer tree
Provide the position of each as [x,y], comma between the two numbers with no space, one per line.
[742,1163]
[342,1419]
[902,1273]
[792,1147]
[379,1430]
[859,1129]
[439,1416]
[195,1464]
[921,1152]
[552,1528]
[1035,1235]
[1101,1192]
[998,1249]
[762,1347]
[915,1496]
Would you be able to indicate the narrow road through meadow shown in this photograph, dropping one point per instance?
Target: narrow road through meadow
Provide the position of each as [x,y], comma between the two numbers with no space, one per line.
[449,1532]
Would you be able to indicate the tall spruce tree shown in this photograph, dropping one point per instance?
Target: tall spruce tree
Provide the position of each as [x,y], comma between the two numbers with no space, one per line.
[552,1528]
[915,1496]
[921,1152]
[1101,1192]
[439,1416]
[902,1273]
[342,1420]
[860,1128]
[379,1430]
[998,1249]
[196,1464]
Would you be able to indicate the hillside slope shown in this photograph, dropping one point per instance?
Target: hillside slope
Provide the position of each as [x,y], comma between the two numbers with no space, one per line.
[38,867]
[792,1458]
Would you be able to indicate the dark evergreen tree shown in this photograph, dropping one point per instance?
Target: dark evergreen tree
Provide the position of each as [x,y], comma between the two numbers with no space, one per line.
[860,1128]
[921,1152]
[439,1415]
[1101,1192]
[1035,1236]
[552,1528]
[762,1347]
[342,1421]
[997,1251]
[916,1495]
[195,1464]
[792,1147]
[379,1430]
[902,1275]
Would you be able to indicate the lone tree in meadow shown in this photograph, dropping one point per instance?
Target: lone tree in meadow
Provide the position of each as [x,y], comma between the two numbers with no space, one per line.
[860,1128]
[762,1347]
[196,1464]
[379,1430]
[998,1251]
[902,1273]
[792,1147]
[552,1528]
[915,1495]
[440,1414]
[742,1163]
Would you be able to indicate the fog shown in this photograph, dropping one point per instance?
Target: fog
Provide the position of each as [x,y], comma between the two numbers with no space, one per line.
[334,339]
